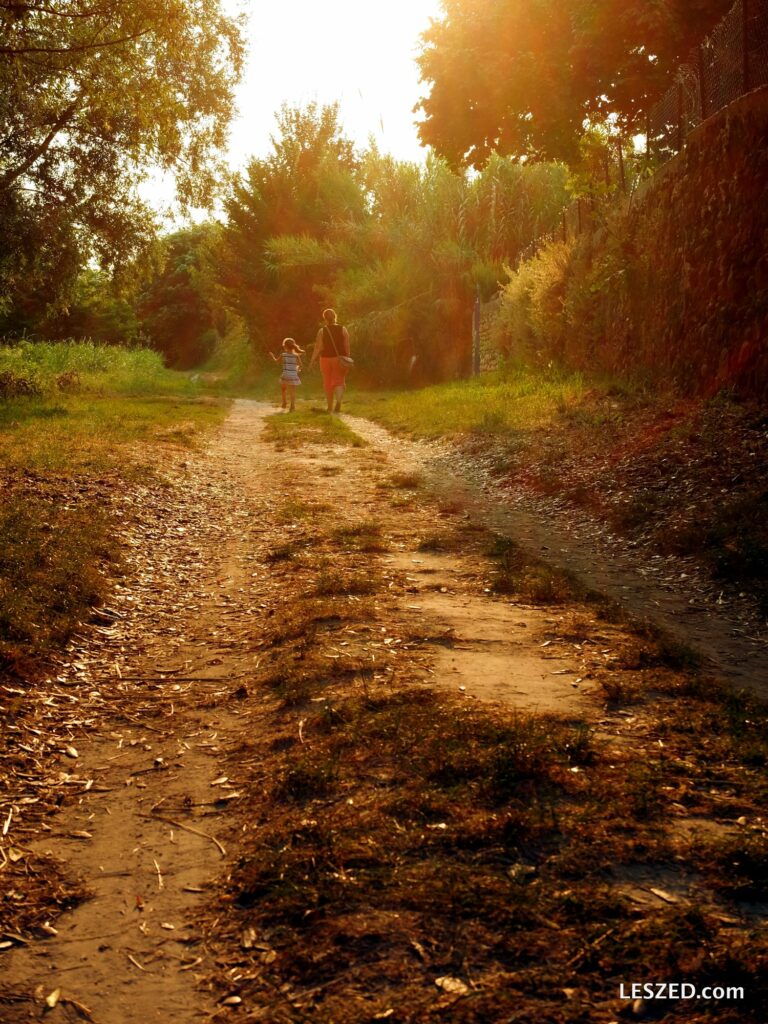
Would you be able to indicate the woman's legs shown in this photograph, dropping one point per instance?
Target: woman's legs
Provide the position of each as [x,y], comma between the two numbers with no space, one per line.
[334,375]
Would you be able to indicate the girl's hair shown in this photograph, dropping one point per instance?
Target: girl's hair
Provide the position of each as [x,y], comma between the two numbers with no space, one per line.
[329,315]
[289,345]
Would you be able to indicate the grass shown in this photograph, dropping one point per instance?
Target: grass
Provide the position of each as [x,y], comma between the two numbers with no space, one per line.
[94,433]
[93,368]
[518,573]
[99,417]
[485,405]
[296,429]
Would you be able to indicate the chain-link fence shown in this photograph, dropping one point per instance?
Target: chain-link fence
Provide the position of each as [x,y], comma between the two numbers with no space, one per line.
[728,64]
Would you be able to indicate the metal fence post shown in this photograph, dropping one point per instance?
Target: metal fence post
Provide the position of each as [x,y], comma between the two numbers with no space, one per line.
[680,132]
[476,334]
[622,173]
[745,45]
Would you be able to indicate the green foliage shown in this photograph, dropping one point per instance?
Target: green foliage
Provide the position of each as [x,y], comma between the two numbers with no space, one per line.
[280,211]
[178,310]
[97,310]
[673,286]
[91,95]
[521,79]
[397,248]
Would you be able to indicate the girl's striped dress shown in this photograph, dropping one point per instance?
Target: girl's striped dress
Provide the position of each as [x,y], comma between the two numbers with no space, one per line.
[290,374]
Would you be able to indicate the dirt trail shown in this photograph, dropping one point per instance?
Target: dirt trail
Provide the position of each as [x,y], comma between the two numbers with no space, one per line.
[668,591]
[153,824]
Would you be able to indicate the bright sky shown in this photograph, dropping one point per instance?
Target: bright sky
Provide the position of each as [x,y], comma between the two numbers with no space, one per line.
[353,51]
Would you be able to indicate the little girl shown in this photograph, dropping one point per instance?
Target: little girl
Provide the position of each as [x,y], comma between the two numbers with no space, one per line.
[290,361]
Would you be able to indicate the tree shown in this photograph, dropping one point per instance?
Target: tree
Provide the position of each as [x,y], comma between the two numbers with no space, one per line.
[93,93]
[178,311]
[306,187]
[521,77]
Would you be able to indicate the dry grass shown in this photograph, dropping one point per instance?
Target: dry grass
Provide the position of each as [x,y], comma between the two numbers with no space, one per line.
[399,835]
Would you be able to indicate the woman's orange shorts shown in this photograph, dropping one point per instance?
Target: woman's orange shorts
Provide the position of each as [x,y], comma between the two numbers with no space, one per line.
[333,371]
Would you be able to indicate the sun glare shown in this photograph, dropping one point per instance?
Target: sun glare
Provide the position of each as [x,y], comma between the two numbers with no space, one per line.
[359,54]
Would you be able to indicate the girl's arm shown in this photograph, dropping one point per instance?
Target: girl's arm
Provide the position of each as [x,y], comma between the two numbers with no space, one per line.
[274,358]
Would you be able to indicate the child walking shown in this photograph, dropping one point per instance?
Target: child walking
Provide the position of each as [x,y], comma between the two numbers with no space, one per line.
[290,360]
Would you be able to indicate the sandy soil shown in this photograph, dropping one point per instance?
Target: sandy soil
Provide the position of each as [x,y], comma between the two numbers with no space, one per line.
[149,823]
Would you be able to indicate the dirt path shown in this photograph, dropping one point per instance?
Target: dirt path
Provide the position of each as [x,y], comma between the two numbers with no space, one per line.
[161,700]
[669,591]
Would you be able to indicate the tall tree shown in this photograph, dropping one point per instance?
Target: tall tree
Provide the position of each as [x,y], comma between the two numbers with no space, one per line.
[305,186]
[521,77]
[93,93]
[178,312]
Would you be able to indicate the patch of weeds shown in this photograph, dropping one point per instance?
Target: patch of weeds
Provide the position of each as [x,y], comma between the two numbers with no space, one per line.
[737,867]
[671,653]
[363,536]
[516,573]
[311,778]
[406,480]
[15,385]
[441,541]
[52,558]
[643,790]
[285,552]
[294,511]
[300,428]
[615,690]
[402,501]
[334,582]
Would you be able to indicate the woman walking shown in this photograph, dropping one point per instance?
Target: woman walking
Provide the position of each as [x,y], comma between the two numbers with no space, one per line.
[332,349]
[290,361]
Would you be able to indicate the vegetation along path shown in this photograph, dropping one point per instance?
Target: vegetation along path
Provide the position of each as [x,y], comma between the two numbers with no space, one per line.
[344,747]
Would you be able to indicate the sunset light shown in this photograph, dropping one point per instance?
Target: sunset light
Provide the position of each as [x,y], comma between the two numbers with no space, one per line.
[355,53]
[383,492]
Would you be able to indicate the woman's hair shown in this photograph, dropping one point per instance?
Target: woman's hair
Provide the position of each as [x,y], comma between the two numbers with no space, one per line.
[329,315]
[289,345]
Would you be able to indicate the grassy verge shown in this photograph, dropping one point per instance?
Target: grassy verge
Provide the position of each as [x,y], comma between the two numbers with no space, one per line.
[492,404]
[683,477]
[90,419]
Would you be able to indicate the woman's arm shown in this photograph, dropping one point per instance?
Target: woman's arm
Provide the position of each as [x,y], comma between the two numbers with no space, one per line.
[346,341]
[316,349]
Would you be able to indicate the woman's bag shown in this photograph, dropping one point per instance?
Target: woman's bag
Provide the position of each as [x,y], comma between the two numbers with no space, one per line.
[344,360]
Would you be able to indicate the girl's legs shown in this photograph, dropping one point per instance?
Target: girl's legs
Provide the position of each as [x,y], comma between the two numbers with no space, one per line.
[283,391]
[291,389]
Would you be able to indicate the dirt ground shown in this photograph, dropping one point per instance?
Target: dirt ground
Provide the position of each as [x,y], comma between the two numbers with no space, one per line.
[158,711]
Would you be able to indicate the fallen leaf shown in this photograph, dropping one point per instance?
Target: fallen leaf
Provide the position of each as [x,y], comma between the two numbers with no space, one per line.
[52,998]
[453,985]
[664,895]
